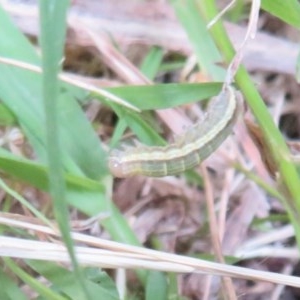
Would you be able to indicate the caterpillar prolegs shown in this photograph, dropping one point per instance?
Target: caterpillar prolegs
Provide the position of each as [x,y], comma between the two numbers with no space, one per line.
[188,150]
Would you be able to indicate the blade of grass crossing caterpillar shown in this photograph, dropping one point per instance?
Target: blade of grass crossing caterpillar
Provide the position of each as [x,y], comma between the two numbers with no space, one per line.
[195,145]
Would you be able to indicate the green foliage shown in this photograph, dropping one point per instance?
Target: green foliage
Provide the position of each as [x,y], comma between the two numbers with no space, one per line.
[156,287]
[64,282]
[289,178]
[288,11]
[9,289]
[152,62]
[161,96]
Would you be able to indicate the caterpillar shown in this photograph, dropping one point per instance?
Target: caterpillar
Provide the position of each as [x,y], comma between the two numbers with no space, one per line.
[188,150]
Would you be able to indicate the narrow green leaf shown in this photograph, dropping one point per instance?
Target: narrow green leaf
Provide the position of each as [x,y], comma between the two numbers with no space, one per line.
[288,10]
[290,180]
[161,96]
[52,36]
[157,96]
[173,290]
[156,288]
[24,100]
[32,282]
[9,289]
[6,116]
[119,130]
[143,129]
[64,281]
[151,62]
[88,196]
[82,155]
[204,47]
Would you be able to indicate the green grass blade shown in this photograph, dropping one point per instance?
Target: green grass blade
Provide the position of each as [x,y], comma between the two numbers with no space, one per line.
[152,62]
[64,281]
[24,202]
[82,156]
[156,288]
[6,116]
[88,196]
[32,282]
[156,97]
[24,100]
[9,289]
[288,11]
[52,37]
[272,135]
[207,53]
[161,96]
